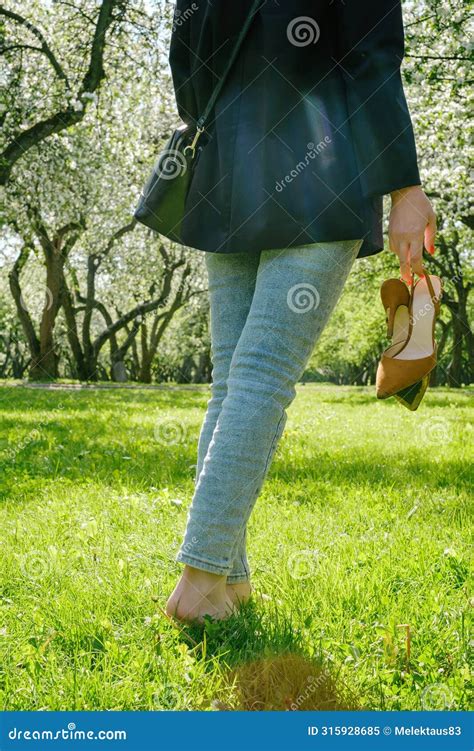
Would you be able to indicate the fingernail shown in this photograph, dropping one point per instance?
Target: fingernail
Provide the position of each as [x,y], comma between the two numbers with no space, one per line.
[432,250]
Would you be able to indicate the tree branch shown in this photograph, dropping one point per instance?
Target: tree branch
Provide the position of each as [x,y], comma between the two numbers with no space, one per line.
[24,140]
[436,57]
[95,72]
[45,48]
[138,310]
[15,288]
[115,237]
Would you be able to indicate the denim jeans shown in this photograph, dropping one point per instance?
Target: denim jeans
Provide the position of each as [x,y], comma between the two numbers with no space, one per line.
[267,313]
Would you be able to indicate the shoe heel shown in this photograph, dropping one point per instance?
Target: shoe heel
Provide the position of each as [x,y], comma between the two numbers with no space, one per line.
[394,294]
[412,396]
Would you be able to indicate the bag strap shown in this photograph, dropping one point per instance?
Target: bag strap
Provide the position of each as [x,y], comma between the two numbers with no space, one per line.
[208,109]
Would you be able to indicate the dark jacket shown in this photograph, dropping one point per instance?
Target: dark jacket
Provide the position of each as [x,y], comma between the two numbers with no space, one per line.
[311,128]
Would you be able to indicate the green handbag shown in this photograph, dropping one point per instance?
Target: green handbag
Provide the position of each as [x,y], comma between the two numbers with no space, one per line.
[161,206]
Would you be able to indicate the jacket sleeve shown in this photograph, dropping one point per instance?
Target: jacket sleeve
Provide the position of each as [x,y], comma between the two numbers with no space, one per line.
[180,62]
[370,52]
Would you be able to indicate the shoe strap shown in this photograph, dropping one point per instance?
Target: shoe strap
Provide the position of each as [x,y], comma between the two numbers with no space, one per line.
[434,298]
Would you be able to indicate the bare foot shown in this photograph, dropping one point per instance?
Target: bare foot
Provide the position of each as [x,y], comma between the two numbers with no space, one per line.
[199,593]
[240,592]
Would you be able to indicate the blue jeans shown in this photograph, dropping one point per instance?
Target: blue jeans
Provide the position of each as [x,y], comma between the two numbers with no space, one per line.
[267,313]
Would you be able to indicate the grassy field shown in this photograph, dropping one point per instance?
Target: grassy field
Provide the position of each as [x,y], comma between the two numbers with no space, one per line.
[359,546]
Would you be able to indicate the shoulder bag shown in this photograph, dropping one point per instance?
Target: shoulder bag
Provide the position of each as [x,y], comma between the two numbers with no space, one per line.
[162,203]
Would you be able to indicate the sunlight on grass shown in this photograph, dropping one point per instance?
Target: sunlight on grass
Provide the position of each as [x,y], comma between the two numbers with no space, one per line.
[359,544]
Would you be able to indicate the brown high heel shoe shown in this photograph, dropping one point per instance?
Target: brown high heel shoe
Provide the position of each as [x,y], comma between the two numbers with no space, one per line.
[405,365]
[395,297]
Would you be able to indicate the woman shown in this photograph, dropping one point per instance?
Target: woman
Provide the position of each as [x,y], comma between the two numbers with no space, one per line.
[309,133]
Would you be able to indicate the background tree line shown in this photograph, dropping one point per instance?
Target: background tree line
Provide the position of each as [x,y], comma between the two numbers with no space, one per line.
[86,103]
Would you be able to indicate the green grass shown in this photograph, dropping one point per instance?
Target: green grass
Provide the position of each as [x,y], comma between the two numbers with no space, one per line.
[362,527]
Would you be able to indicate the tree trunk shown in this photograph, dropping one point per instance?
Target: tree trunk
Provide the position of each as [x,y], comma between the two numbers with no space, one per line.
[203,370]
[144,375]
[135,366]
[455,366]
[90,367]
[462,339]
[72,332]
[467,336]
[46,366]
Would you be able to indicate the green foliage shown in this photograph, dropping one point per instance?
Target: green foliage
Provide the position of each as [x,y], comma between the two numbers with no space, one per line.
[87,175]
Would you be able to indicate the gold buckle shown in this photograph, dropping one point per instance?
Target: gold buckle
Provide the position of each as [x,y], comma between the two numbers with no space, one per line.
[192,146]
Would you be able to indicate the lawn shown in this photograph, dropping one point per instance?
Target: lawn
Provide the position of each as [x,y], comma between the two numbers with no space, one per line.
[359,546]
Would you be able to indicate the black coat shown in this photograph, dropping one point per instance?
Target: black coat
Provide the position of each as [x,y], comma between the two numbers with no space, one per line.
[311,128]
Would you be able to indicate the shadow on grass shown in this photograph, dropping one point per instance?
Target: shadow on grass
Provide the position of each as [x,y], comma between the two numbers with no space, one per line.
[29,400]
[356,396]
[98,438]
[92,440]
[265,663]
[374,472]
[152,465]
[289,682]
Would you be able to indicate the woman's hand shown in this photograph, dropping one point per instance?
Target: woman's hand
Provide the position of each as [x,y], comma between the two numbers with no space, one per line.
[412,224]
